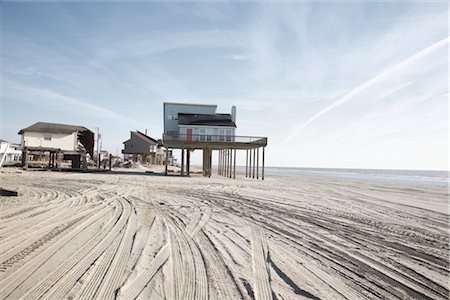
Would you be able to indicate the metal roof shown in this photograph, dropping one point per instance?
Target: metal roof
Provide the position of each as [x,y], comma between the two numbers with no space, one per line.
[53,128]
[191,104]
[206,120]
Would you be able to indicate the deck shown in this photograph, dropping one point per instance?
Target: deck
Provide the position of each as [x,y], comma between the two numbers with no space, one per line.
[226,146]
[213,142]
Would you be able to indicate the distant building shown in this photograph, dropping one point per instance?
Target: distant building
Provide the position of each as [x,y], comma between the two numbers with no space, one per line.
[9,151]
[142,148]
[59,141]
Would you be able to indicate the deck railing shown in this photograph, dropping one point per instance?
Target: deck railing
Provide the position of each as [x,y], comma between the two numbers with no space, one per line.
[177,137]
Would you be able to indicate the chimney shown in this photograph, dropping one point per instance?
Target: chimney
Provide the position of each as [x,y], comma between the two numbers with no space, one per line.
[145,131]
[233,114]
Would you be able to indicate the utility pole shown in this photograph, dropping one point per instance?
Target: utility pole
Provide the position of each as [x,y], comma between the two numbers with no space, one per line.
[97,158]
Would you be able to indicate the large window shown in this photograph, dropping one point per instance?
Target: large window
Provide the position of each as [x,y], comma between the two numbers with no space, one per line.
[202,136]
[47,136]
[172,117]
[229,135]
[222,135]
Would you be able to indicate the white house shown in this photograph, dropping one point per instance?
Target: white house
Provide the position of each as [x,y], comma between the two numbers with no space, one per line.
[70,140]
[9,151]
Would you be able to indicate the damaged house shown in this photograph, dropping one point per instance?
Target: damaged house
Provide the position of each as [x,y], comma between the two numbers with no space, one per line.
[57,142]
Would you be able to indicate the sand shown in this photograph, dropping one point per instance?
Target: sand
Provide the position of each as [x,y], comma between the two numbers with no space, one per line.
[138,236]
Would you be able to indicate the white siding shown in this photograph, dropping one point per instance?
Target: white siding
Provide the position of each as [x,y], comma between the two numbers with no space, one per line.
[67,142]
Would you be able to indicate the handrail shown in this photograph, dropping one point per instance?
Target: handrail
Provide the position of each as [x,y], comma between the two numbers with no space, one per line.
[179,137]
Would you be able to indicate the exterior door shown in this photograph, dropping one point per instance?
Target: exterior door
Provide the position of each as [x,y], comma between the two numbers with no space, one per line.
[188,134]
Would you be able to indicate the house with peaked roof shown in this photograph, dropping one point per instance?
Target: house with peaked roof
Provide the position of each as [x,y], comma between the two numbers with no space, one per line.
[191,127]
[198,122]
[143,148]
[60,141]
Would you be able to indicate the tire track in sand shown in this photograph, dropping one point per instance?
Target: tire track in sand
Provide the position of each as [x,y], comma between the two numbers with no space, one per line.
[197,287]
[263,290]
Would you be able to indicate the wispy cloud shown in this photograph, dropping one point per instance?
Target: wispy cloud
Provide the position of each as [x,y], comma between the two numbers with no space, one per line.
[54,100]
[384,75]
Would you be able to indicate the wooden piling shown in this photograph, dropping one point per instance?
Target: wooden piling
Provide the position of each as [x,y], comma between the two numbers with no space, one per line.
[254,162]
[246,162]
[182,162]
[234,165]
[257,163]
[226,163]
[167,161]
[250,164]
[231,163]
[188,162]
[262,175]
[210,163]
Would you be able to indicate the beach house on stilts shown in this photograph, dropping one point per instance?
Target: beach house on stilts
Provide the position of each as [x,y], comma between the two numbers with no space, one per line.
[190,127]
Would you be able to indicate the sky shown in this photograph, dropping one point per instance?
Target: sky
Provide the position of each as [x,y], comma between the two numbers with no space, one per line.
[331,84]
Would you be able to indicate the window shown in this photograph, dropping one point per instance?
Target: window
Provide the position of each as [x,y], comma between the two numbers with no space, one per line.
[202,135]
[47,136]
[172,117]
[222,135]
[228,135]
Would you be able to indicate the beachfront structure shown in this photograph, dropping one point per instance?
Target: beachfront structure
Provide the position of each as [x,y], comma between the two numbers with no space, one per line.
[9,152]
[59,141]
[142,148]
[190,127]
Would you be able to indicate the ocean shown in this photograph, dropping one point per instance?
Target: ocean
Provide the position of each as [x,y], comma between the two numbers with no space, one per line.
[412,177]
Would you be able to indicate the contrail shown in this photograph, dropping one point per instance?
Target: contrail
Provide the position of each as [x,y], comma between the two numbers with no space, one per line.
[404,63]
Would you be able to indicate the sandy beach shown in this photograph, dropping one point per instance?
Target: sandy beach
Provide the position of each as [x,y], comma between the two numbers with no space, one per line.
[141,236]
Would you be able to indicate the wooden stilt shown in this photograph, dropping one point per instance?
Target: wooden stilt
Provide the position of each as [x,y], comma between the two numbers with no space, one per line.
[25,158]
[226,163]
[250,163]
[188,161]
[254,160]
[262,173]
[182,162]
[231,164]
[246,163]
[167,161]
[204,161]
[234,165]
[257,163]
[210,163]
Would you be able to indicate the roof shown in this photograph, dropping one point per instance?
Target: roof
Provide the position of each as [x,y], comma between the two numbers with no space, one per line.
[146,137]
[143,136]
[206,120]
[191,104]
[53,128]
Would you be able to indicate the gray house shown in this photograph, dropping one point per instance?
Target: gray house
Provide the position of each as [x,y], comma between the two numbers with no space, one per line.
[198,122]
[190,127]
[142,148]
